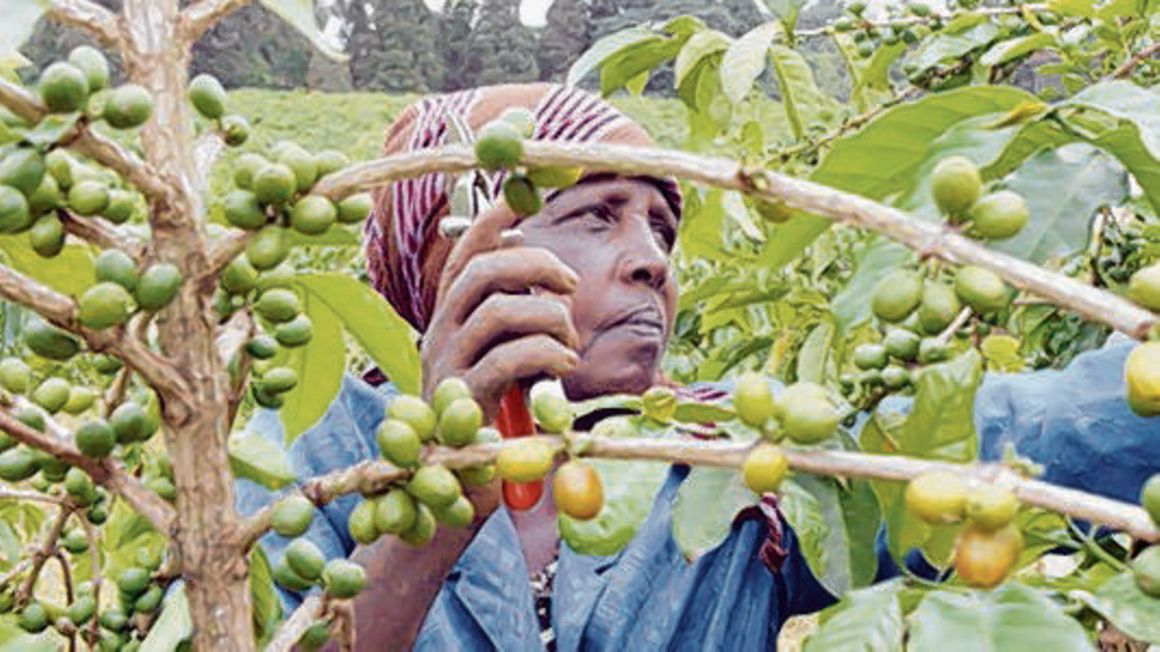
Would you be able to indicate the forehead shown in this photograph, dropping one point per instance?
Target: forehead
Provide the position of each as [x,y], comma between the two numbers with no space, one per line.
[620,189]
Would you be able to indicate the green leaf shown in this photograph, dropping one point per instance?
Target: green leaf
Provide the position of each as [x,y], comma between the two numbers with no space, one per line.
[884,158]
[799,92]
[1125,101]
[706,503]
[867,620]
[51,129]
[745,59]
[836,528]
[335,236]
[877,258]
[1001,353]
[1012,617]
[950,45]
[300,15]
[629,491]
[604,48]
[700,233]
[700,45]
[940,425]
[1063,189]
[319,364]
[385,336]
[14,639]
[20,17]
[1083,8]
[173,627]
[814,356]
[70,272]
[690,412]
[267,606]
[733,203]
[1132,611]
[941,421]
[255,458]
[786,10]
[1005,51]
[636,59]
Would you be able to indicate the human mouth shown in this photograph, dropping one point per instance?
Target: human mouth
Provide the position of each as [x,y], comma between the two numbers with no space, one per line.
[645,321]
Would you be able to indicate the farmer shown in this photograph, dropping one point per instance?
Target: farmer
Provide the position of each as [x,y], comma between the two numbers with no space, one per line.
[583,292]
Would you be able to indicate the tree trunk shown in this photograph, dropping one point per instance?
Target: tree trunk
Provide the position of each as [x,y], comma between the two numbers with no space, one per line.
[213,560]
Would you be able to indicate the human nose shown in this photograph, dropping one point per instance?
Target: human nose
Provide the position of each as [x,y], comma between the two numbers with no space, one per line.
[643,260]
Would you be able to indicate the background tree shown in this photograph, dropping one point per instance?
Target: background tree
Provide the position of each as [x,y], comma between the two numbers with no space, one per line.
[566,34]
[502,47]
[455,26]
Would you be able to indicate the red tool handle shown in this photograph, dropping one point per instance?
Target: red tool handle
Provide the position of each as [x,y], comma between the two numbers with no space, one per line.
[514,420]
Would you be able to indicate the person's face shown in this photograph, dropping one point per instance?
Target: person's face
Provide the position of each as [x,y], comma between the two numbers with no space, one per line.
[616,235]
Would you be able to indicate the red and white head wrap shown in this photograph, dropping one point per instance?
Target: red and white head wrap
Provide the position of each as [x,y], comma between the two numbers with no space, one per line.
[403,250]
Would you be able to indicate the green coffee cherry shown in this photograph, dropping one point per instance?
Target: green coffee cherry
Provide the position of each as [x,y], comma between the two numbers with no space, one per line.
[95,439]
[361,523]
[355,209]
[207,96]
[313,215]
[499,145]
[459,421]
[395,512]
[870,356]
[46,237]
[292,516]
[896,295]
[343,579]
[115,266]
[93,64]
[158,286]
[64,88]
[296,332]
[128,106]
[104,305]
[278,305]
[398,443]
[415,412]
[434,486]
[242,209]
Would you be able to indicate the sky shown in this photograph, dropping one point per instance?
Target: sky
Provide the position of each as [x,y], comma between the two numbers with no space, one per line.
[531,11]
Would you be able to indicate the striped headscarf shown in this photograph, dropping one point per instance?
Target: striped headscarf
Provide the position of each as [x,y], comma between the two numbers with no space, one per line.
[404,252]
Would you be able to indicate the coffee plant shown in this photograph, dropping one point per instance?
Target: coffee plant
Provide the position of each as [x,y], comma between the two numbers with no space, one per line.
[982,227]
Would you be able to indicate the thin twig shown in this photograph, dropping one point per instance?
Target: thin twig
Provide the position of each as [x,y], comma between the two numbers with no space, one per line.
[102,234]
[1125,69]
[95,571]
[835,205]
[41,554]
[231,341]
[106,472]
[906,21]
[90,17]
[954,326]
[35,496]
[82,139]
[115,395]
[14,572]
[376,477]
[292,629]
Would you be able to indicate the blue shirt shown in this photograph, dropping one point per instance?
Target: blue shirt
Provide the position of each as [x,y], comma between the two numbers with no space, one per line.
[1075,422]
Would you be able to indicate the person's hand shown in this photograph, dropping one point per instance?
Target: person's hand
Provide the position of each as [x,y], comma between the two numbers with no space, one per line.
[501,314]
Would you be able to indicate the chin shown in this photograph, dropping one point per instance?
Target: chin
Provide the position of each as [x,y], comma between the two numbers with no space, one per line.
[614,369]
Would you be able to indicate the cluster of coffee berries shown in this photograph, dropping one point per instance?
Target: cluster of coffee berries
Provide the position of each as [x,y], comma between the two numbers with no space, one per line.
[804,413]
[957,187]
[499,145]
[988,547]
[121,290]
[69,86]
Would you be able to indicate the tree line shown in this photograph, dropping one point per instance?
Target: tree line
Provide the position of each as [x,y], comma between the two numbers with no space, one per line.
[404,46]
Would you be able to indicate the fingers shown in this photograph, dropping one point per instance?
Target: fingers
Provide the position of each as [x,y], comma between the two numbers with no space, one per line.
[506,270]
[485,234]
[507,316]
[526,357]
